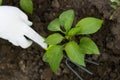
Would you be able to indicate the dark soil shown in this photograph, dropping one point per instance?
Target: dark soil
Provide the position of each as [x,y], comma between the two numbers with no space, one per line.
[26,64]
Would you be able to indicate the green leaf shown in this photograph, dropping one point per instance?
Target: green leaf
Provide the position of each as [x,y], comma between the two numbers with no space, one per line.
[74,53]
[54,25]
[55,38]
[88,46]
[27,5]
[1,2]
[54,56]
[89,25]
[66,19]
[73,31]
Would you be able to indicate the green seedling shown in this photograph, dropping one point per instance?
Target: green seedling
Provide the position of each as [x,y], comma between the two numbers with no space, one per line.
[63,42]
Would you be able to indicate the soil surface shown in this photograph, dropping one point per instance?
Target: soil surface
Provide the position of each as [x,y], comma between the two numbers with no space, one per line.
[26,64]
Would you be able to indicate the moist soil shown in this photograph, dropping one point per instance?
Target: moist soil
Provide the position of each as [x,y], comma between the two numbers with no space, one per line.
[26,64]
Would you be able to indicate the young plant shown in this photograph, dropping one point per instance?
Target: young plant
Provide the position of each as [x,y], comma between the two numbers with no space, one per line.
[75,51]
